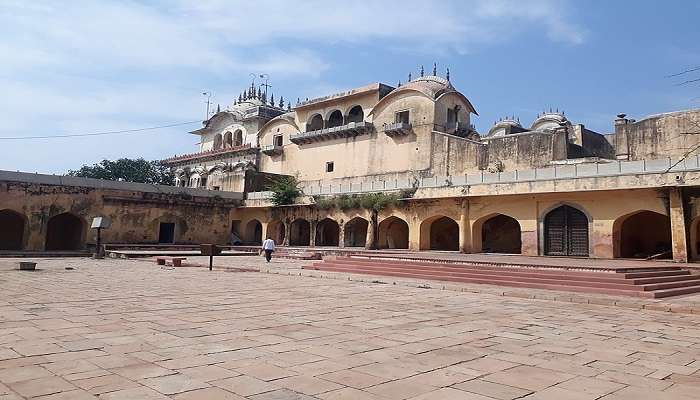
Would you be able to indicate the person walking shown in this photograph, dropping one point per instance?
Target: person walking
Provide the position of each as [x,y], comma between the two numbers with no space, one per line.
[268,247]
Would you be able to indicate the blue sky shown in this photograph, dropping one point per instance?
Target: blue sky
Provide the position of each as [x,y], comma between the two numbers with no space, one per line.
[87,66]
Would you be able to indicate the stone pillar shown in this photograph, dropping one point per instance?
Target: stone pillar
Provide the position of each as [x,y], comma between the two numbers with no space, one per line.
[341,235]
[679,243]
[312,233]
[369,242]
[287,233]
[465,234]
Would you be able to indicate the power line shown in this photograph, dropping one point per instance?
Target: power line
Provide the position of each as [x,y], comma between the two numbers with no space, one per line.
[684,72]
[69,135]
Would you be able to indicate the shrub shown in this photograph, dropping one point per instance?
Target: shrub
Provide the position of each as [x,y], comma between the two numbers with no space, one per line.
[285,190]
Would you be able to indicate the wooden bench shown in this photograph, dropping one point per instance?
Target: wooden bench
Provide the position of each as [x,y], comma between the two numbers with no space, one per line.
[174,261]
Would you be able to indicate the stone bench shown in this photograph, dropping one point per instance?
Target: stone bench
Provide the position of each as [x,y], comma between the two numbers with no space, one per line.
[174,261]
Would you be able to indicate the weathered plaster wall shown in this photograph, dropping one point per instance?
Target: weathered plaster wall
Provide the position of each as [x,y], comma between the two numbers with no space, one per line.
[135,215]
[527,150]
[663,135]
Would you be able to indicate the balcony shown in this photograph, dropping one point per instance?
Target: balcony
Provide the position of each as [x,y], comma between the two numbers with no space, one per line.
[348,130]
[272,150]
[397,129]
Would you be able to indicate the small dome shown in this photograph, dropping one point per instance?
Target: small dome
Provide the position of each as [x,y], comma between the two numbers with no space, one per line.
[549,120]
[431,86]
[501,127]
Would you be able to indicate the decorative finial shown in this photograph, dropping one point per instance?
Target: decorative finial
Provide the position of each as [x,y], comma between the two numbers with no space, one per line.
[399,84]
[272,99]
[240,97]
[281,102]
[448,74]
[259,93]
[289,106]
[409,76]
[298,101]
[245,96]
[218,108]
[422,71]
[434,69]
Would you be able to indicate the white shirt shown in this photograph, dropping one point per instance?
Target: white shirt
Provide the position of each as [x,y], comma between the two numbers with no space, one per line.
[268,244]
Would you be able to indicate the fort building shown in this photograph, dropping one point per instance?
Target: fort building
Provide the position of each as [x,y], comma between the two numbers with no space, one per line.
[548,187]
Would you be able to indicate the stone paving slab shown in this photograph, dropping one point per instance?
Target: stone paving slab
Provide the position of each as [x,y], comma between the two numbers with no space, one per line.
[125,329]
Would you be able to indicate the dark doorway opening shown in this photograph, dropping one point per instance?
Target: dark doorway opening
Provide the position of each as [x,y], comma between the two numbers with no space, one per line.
[444,234]
[64,232]
[501,234]
[166,233]
[327,233]
[11,230]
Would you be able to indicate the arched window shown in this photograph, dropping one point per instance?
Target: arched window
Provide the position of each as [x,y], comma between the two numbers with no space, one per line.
[228,139]
[316,123]
[335,119]
[355,115]
[238,138]
[217,142]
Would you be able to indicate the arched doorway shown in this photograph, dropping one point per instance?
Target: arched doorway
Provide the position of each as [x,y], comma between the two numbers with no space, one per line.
[11,230]
[316,123]
[327,233]
[440,233]
[300,233]
[566,232]
[228,139]
[253,232]
[501,234]
[642,235]
[393,233]
[355,233]
[335,119]
[64,232]
[355,115]
[275,230]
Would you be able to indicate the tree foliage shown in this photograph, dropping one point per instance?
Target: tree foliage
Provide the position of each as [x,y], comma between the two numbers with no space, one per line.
[129,170]
[285,190]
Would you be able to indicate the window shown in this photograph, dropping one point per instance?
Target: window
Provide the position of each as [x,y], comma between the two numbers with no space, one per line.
[277,140]
[402,117]
[203,181]
[329,166]
[216,188]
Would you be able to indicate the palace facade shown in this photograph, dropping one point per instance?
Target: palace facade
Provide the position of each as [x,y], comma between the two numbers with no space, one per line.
[549,187]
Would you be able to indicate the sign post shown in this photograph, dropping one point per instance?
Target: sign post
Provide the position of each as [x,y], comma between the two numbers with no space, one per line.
[100,223]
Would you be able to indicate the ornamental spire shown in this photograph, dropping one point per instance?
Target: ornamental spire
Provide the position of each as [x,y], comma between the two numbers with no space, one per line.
[422,71]
[448,74]
[434,69]
[281,102]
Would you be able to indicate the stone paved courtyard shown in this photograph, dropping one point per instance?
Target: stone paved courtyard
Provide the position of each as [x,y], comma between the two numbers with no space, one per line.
[123,329]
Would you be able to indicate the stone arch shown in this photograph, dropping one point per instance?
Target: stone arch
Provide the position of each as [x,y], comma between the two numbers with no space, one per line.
[13,226]
[497,233]
[300,232]
[393,233]
[641,234]
[65,231]
[355,232]
[439,233]
[327,233]
[335,118]
[218,141]
[565,230]
[238,138]
[315,123]
[355,114]
[228,139]
[253,232]
[276,231]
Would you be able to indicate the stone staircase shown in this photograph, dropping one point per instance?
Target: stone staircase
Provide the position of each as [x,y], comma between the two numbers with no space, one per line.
[646,282]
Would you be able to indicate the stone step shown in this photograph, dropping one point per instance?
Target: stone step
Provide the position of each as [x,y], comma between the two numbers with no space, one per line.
[525,272]
[487,278]
[630,291]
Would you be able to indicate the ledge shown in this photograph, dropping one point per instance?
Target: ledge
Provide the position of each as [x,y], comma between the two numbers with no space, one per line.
[398,129]
[272,150]
[211,153]
[348,130]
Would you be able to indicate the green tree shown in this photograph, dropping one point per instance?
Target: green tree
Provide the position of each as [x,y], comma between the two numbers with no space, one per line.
[129,170]
[285,190]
